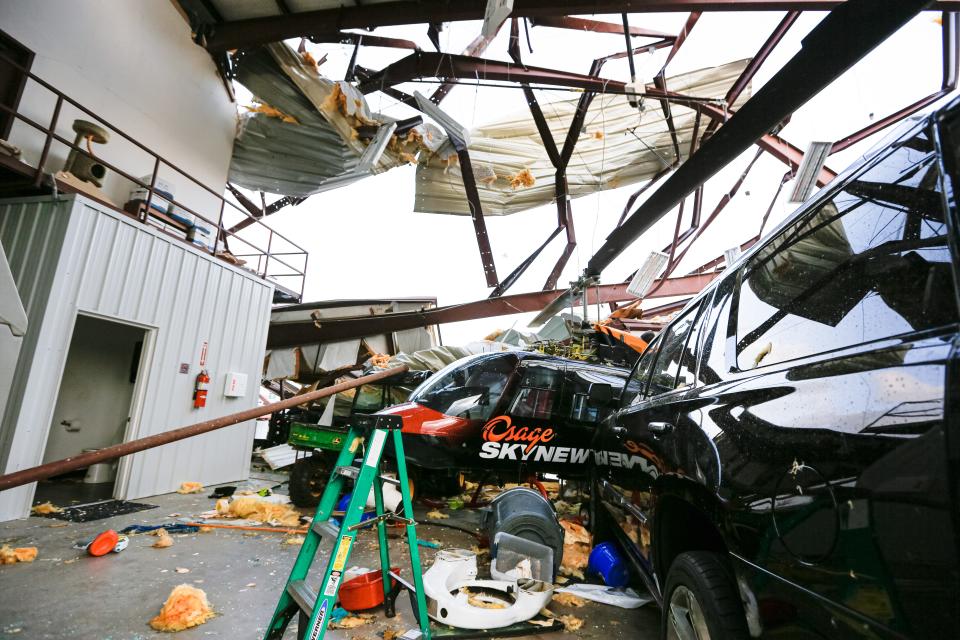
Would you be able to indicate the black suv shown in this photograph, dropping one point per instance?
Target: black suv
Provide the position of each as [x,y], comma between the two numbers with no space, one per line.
[786,455]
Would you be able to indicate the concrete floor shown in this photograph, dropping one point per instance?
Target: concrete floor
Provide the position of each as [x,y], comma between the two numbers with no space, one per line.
[67,594]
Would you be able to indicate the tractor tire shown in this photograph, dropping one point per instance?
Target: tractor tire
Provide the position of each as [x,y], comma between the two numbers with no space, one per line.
[308,478]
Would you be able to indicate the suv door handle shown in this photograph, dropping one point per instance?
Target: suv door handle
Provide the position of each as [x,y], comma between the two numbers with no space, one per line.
[619,432]
[660,427]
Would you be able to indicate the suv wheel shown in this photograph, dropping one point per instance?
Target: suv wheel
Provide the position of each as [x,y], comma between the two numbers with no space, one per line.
[701,600]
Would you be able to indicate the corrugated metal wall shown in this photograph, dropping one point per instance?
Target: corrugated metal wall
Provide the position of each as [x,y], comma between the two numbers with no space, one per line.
[73,256]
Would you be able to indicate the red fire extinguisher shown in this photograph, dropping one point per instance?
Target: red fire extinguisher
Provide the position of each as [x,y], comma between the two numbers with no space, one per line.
[200,389]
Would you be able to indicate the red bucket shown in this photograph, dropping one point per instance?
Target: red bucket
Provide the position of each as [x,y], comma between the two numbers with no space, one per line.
[365,591]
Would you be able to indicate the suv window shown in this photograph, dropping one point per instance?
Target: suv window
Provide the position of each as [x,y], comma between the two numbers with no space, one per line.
[671,358]
[869,263]
[634,391]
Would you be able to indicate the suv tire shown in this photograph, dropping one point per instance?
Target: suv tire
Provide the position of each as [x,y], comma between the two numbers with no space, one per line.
[701,600]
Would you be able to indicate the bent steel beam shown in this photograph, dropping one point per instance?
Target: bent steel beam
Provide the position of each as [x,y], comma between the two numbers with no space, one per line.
[294,334]
[596,26]
[847,34]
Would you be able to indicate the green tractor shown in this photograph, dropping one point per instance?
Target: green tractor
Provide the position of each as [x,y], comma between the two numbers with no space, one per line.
[318,445]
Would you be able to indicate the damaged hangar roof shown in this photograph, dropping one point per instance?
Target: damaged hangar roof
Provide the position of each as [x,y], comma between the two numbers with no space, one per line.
[618,146]
[306,133]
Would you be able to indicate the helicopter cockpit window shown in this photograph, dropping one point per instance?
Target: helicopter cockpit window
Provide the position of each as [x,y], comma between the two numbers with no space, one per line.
[470,389]
[582,388]
[539,387]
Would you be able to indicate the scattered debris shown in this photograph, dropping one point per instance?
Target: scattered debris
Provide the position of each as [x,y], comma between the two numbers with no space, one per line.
[10,555]
[163,539]
[45,509]
[294,540]
[571,622]
[190,487]
[565,508]
[186,607]
[222,492]
[763,353]
[437,515]
[171,527]
[352,621]
[182,570]
[618,597]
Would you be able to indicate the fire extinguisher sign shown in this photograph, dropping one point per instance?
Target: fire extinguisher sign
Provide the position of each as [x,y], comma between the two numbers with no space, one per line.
[203,353]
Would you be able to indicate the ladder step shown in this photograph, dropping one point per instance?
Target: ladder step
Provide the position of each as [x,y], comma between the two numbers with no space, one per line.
[325,529]
[303,595]
[390,480]
[347,471]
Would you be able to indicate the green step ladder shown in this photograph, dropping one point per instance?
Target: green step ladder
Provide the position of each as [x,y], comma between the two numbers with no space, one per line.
[315,610]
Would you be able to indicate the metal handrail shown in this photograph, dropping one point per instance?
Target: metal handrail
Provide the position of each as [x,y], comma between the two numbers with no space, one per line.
[222,232]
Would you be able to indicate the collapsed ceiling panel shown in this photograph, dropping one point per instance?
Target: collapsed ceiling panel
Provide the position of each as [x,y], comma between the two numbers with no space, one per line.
[619,145]
[305,130]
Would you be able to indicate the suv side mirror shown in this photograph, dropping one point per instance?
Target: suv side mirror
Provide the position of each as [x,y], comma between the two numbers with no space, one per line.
[600,394]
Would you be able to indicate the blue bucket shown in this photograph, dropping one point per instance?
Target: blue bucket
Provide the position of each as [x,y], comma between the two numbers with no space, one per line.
[607,562]
[342,506]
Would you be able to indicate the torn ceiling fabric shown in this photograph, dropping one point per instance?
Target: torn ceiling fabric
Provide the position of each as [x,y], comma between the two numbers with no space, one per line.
[305,131]
[619,145]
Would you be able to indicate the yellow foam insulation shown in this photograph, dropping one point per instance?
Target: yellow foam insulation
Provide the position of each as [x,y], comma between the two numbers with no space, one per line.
[10,555]
[45,509]
[253,508]
[336,101]
[294,541]
[574,533]
[309,59]
[437,515]
[190,487]
[380,360]
[522,179]
[570,622]
[272,112]
[482,601]
[186,607]
[577,543]
[568,599]
[163,539]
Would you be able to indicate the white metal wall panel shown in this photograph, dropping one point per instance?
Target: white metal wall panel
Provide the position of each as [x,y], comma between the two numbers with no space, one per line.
[32,239]
[116,268]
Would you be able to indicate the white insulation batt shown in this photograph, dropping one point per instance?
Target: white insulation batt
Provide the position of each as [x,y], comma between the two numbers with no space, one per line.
[619,145]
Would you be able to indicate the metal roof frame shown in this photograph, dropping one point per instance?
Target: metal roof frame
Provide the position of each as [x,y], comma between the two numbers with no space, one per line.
[859,25]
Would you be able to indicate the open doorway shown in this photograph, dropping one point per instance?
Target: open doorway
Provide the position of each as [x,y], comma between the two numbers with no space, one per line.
[94,407]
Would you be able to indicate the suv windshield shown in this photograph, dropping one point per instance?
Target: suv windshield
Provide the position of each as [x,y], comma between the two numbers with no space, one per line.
[469,388]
